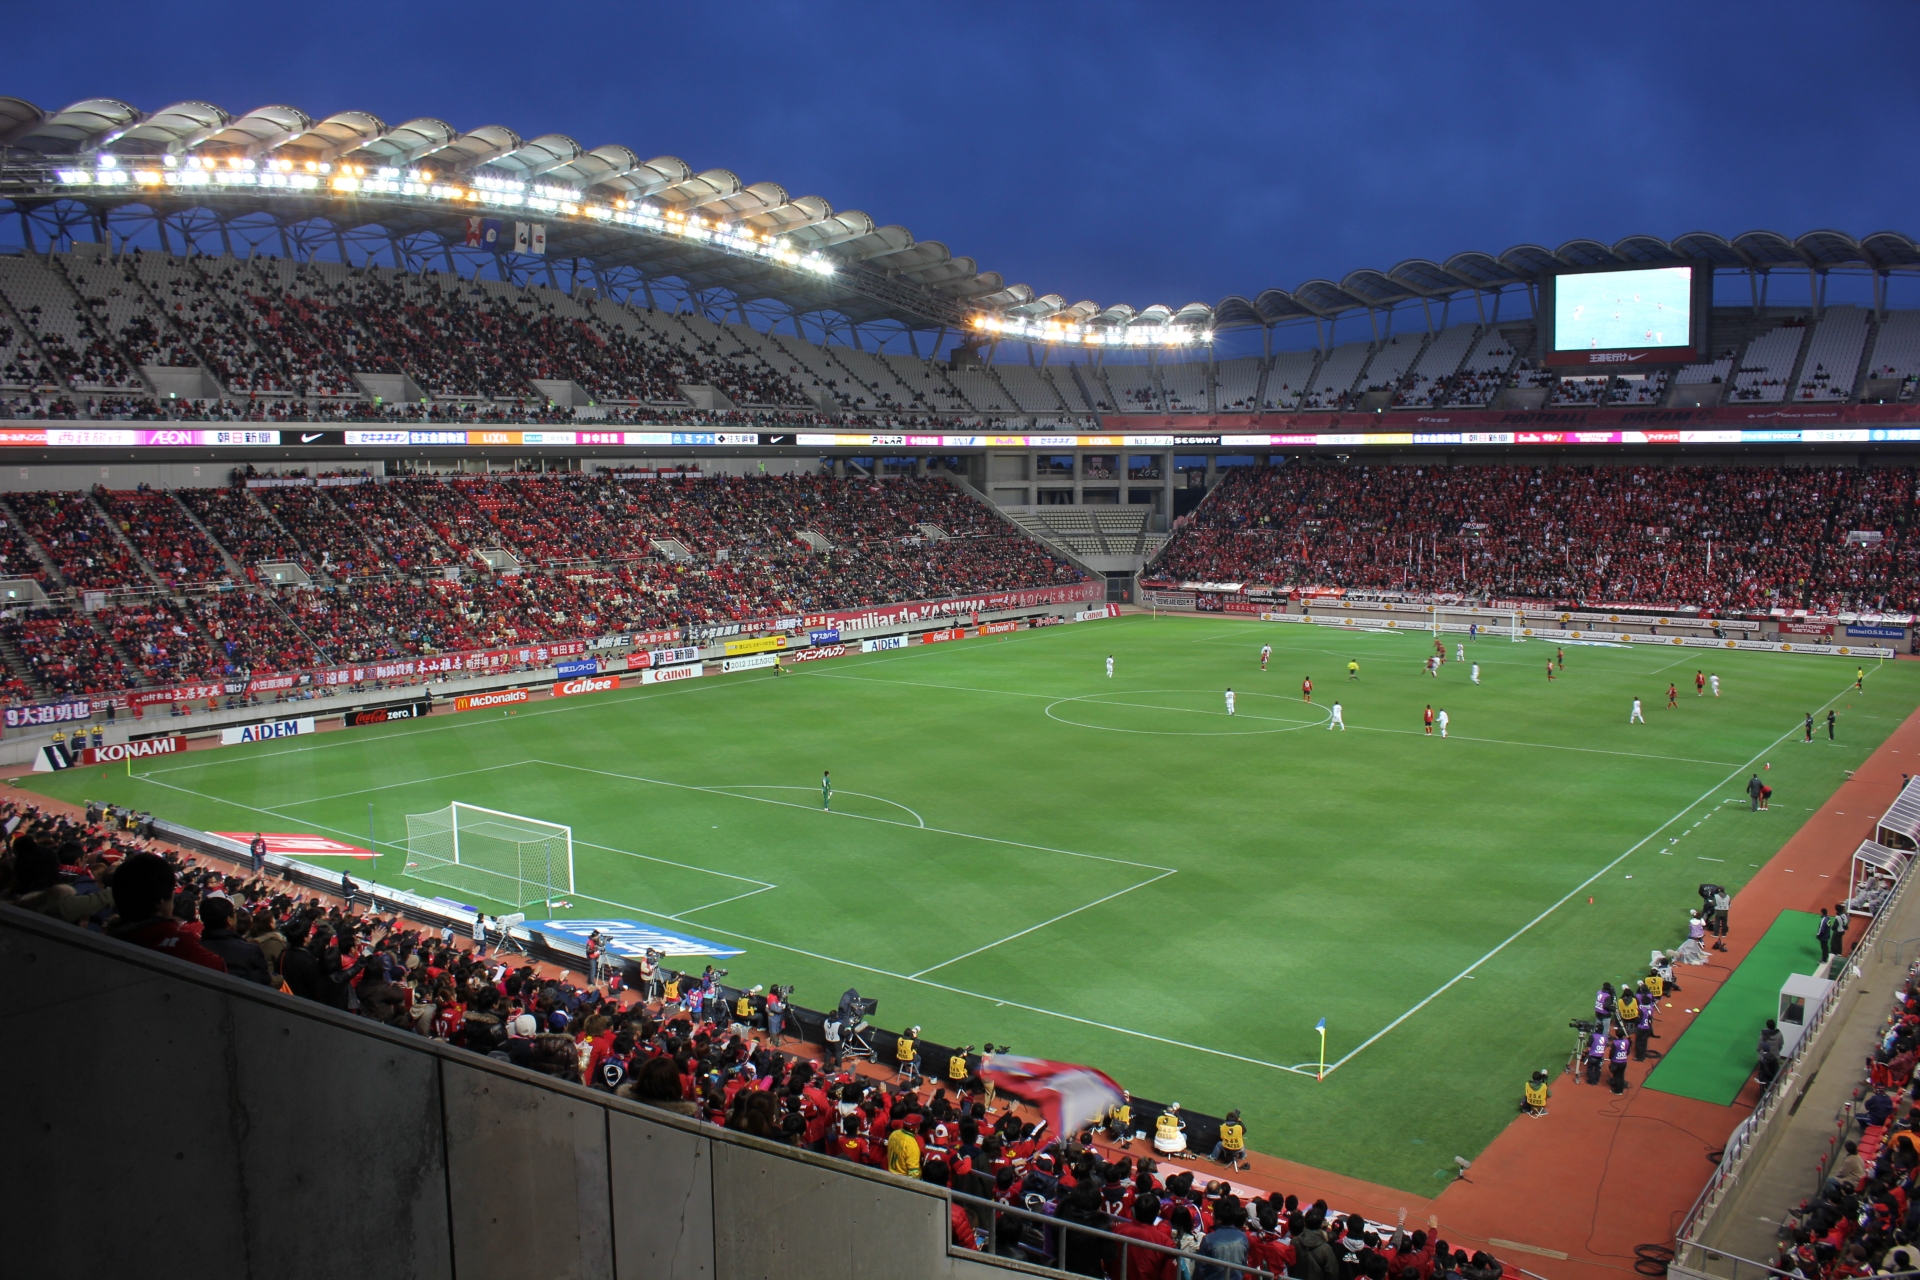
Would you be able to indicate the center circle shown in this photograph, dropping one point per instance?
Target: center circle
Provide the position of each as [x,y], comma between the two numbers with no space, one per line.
[1135,702]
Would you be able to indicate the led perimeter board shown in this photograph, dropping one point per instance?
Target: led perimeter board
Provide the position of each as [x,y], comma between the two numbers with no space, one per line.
[1625,316]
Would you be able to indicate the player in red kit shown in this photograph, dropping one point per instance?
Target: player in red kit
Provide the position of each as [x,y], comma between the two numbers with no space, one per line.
[1306,689]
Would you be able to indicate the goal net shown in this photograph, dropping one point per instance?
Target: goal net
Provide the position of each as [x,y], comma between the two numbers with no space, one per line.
[500,856]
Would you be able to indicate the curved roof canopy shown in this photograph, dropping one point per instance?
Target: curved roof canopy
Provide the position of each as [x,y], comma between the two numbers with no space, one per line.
[881,271]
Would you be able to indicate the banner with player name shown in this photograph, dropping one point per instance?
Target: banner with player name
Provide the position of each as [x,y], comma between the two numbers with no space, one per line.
[922,610]
[39,713]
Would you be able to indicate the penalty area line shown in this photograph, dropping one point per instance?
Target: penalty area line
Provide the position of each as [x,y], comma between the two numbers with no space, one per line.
[961,991]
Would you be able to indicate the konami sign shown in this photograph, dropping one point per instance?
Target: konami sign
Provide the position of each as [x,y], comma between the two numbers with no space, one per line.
[115,752]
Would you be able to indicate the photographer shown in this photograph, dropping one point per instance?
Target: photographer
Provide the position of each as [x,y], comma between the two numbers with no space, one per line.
[777,1013]
[650,975]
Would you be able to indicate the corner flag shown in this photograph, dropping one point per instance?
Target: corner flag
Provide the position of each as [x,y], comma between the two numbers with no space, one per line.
[1321,1027]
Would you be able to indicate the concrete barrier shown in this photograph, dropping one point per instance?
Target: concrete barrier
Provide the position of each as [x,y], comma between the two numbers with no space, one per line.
[164,1120]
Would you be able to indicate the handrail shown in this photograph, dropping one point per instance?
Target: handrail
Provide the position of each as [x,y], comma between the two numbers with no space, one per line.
[1106,1238]
[1741,1142]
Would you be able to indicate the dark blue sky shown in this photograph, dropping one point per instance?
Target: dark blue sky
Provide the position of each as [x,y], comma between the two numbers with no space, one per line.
[1116,151]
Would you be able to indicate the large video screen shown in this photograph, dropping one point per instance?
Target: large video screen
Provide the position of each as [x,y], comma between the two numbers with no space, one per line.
[1625,316]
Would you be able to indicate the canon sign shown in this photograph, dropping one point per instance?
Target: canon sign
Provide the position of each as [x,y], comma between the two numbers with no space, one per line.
[690,672]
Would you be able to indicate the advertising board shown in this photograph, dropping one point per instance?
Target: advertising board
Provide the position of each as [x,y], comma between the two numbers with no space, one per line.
[585,684]
[815,654]
[884,642]
[760,644]
[385,715]
[692,671]
[114,752]
[753,662]
[498,698]
[266,732]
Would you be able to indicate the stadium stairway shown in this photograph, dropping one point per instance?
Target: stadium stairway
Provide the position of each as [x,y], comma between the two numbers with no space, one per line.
[203,1095]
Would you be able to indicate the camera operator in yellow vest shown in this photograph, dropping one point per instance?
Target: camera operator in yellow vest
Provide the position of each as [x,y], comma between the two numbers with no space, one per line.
[1231,1149]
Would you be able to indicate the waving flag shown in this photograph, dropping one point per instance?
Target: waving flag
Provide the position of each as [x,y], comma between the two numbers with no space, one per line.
[1068,1096]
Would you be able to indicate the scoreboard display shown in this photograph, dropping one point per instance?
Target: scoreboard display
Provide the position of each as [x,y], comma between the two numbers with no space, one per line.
[1626,316]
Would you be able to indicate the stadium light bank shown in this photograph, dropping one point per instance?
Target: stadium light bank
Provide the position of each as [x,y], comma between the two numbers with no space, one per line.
[1149,335]
[483,192]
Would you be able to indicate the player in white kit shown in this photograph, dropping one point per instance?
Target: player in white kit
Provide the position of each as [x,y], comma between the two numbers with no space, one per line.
[1229,702]
[1636,716]
[1459,653]
[1109,666]
[1266,651]
[1441,720]
[1476,673]
[1337,722]
[1714,680]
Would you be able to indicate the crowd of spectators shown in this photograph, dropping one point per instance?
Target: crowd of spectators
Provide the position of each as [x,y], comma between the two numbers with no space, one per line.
[241,525]
[76,536]
[164,534]
[63,654]
[1727,539]
[680,1044]
[396,569]
[1865,1218]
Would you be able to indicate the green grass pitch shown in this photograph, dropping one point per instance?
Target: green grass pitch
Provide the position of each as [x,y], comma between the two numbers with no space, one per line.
[1112,871]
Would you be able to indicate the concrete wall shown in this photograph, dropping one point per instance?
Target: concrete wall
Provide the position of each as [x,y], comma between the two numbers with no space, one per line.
[163,1120]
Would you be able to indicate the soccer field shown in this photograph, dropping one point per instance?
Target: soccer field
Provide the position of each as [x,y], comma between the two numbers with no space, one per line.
[1112,871]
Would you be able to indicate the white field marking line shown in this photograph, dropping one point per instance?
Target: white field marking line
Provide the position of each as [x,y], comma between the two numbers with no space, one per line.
[724,901]
[1096,699]
[746,786]
[1043,924]
[958,991]
[1554,746]
[939,831]
[274,813]
[469,722]
[684,866]
[1087,697]
[388,786]
[1571,893]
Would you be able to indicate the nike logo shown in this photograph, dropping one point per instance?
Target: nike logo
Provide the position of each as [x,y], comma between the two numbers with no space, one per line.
[309,439]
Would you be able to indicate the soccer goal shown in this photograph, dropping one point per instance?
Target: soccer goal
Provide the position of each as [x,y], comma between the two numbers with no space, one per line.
[501,856]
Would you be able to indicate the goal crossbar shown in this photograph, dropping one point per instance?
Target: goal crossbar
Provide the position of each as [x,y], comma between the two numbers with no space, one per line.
[507,857]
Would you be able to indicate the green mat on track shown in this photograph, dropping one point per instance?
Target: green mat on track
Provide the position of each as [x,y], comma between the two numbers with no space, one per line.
[1713,1058]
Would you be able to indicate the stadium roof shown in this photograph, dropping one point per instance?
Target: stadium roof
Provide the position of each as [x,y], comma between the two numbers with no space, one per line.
[611,208]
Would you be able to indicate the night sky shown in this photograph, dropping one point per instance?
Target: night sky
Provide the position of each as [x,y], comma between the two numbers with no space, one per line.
[1119,152]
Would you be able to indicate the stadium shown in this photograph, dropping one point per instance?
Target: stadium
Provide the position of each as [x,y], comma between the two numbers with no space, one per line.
[700,734]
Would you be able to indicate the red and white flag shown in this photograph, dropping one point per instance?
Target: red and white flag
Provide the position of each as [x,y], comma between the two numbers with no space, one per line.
[1068,1096]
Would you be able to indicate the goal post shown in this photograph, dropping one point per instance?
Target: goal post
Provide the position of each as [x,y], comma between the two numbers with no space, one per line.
[506,857]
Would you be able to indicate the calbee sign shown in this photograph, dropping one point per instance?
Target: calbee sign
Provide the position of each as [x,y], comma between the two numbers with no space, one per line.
[586,684]
[266,732]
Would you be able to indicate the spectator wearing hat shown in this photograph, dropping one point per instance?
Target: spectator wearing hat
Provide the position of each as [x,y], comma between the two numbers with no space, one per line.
[903,1147]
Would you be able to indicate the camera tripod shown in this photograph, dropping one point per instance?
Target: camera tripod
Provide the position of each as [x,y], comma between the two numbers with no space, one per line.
[1578,1057]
